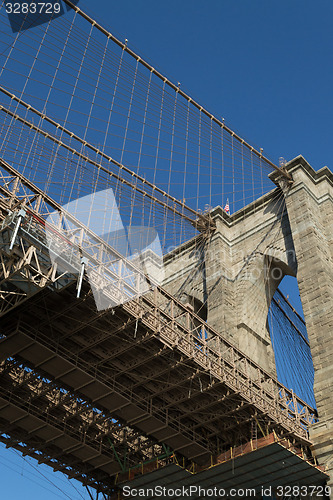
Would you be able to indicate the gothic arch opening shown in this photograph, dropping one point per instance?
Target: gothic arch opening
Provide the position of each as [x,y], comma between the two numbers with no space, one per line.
[289,339]
[199,308]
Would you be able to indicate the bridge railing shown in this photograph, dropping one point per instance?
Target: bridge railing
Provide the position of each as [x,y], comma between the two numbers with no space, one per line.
[173,323]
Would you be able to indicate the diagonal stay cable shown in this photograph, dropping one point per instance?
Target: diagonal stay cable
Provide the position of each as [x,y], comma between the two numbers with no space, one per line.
[176,88]
[201,218]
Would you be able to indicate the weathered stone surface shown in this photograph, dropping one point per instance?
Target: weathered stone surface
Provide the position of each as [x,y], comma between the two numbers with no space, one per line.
[310,207]
[231,279]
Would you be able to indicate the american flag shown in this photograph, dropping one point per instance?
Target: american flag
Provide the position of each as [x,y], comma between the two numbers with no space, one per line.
[227,208]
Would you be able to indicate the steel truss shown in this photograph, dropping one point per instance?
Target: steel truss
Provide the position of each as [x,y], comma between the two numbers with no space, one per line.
[55,423]
[150,363]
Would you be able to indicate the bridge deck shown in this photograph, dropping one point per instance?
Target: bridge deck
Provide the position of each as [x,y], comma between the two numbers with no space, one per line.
[261,465]
[140,373]
[150,363]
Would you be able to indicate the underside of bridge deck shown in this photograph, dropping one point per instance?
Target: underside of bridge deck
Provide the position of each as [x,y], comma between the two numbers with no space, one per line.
[84,383]
[95,392]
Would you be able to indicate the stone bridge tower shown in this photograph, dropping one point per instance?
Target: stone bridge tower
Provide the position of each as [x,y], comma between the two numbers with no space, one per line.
[231,279]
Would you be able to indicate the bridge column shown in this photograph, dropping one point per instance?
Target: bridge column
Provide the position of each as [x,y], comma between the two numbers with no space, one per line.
[218,281]
[310,208]
[240,279]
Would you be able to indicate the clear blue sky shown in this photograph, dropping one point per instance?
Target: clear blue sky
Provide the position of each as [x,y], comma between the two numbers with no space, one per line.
[263,65]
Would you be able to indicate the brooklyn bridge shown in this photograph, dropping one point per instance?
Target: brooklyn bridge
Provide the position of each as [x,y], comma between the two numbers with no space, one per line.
[144,338]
